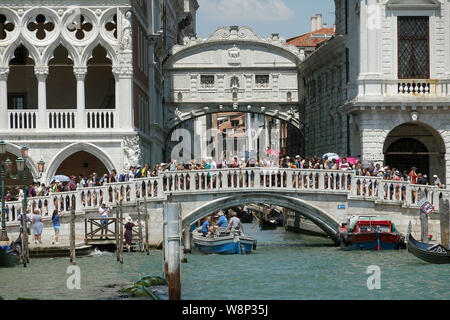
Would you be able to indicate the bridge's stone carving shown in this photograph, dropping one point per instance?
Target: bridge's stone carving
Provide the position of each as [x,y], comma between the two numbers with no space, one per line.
[131,146]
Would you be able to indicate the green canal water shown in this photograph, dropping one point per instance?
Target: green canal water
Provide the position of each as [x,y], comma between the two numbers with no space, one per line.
[283,267]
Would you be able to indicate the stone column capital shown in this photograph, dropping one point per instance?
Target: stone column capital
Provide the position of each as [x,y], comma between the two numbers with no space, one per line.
[80,73]
[4,72]
[41,72]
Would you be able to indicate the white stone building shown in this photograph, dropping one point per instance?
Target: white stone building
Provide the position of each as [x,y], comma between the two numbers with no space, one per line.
[233,70]
[380,89]
[81,86]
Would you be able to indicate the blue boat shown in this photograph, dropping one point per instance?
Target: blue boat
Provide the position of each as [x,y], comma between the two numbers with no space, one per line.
[224,243]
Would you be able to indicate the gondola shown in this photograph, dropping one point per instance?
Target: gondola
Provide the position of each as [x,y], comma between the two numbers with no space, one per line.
[432,253]
[8,259]
[266,223]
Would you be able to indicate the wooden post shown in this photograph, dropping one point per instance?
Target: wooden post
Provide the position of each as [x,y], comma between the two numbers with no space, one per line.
[120,232]
[116,232]
[72,236]
[172,257]
[423,221]
[187,240]
[146,225]
[444,213]
[141,240]
[25,234]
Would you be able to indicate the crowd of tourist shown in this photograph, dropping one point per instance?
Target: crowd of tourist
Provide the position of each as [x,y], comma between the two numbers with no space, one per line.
[39,189]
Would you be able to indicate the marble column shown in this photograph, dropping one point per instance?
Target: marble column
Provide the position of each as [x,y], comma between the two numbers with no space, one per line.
[80,75]
[41,73]
[4,71]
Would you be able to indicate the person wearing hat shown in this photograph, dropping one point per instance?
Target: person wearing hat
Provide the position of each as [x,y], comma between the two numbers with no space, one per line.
[128,234]
[437,181]
[222,222]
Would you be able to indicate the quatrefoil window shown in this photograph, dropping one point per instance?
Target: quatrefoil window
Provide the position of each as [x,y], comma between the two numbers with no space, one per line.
[112,26]
[5,27]
[81,27]
[41,26]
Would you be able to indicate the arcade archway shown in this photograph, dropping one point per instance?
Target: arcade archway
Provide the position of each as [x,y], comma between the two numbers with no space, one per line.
[416,145]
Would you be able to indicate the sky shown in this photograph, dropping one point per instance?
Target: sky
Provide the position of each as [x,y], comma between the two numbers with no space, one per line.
[289,18]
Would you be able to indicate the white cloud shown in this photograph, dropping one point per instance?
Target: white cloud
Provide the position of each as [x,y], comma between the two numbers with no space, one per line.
[245,10]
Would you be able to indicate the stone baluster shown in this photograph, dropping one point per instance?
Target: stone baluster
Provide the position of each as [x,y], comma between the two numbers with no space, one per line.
[321,180]
[78,204]
[133,191]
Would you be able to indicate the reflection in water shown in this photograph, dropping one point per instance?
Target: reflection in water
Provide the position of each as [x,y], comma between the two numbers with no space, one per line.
[280,268]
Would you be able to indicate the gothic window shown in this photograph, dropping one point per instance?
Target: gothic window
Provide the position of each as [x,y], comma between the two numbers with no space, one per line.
[413,48]
[41,26]
[112,25]
[5,27]
[262,81]
[207,81]
[80,27]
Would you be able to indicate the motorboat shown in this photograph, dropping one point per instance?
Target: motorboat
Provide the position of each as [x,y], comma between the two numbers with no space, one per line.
[223,242]
[370,233]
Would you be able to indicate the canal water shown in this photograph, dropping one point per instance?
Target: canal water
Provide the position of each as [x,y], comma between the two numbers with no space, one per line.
[285,266]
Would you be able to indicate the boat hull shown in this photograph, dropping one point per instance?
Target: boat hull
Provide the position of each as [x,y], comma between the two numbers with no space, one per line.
[8,260]
[224,245]
[371,241]
[420,250]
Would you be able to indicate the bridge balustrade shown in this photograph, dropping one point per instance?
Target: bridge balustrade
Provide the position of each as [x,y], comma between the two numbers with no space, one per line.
[234,180]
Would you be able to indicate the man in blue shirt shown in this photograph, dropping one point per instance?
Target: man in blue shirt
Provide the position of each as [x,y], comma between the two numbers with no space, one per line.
[222,222]
[206,226]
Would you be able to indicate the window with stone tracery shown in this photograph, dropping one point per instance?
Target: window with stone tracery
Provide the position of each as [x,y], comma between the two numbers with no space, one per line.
[5,27]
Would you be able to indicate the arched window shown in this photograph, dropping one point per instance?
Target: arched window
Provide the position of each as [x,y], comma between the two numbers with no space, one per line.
[22,82]
[100,82]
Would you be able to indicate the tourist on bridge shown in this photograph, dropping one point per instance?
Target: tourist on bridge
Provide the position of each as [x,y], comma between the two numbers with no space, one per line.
[128,234]
[28,222]
[103,212]
[56,225]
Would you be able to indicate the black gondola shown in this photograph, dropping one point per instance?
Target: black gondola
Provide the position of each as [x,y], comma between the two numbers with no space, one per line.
[266,223]
[432,253]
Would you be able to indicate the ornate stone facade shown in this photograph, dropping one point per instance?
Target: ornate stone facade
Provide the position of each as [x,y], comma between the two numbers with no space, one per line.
[356,102]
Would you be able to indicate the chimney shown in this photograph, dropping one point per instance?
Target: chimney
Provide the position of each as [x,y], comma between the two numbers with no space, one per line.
[318,21]
[313,24]
[325,25]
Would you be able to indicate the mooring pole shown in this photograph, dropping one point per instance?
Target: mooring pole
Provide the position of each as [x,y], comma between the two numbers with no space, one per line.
[187,240]
[444,215]
[25,233]
[172,259]
[146,225]
[116,231]
[120,232]
[141,238]
[72,236]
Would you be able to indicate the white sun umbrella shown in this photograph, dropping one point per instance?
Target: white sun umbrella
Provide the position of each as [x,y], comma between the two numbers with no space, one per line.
[331,156]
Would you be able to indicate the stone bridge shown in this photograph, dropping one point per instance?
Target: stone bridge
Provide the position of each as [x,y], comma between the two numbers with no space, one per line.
[326,197]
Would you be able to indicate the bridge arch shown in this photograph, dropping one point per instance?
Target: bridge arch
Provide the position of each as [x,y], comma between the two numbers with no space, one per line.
[320,217]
